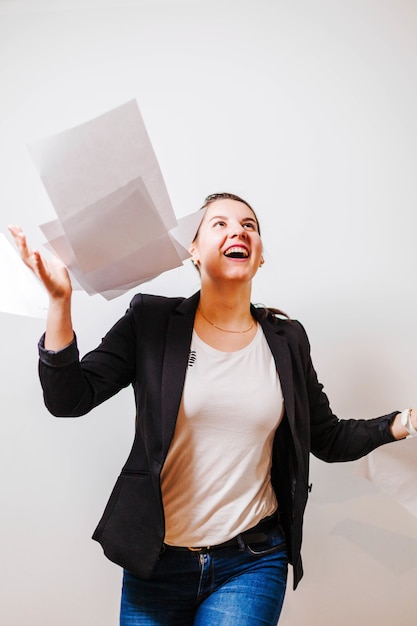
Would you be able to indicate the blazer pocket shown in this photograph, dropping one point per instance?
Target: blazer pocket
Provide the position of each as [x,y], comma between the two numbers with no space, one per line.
[131,528]
[128,481]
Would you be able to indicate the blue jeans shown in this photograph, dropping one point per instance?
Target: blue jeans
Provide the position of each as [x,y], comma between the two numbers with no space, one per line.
[232,586]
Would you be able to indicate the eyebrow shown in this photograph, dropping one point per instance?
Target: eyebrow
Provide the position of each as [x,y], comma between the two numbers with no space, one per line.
[225,217]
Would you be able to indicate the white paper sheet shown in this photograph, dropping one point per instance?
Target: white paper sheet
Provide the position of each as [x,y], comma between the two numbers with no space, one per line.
[393,469]
[20,292]
[120,275]
[88,162]
[116,228]
[184,232]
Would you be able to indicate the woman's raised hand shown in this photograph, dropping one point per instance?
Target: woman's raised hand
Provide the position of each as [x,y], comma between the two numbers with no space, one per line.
[52,273]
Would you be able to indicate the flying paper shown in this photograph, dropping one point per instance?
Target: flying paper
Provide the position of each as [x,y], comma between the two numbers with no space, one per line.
[116,227]
[393,468]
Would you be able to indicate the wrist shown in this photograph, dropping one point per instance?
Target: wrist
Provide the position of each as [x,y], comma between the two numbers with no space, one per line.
[59,332]
[61,304]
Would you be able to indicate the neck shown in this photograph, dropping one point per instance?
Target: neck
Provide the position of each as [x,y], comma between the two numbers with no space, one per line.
[226,305]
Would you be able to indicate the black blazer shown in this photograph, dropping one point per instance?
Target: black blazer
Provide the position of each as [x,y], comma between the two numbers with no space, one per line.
[149,348]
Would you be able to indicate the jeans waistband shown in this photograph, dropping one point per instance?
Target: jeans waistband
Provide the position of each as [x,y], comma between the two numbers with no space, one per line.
[254,535]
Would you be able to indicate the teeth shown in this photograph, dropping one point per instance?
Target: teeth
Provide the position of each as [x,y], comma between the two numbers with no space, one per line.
[237,251]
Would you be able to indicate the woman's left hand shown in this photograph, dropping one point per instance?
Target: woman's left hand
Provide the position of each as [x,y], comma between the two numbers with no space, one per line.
[398,430]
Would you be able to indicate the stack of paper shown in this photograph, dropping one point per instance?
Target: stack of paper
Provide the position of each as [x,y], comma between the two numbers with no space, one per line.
[116,227]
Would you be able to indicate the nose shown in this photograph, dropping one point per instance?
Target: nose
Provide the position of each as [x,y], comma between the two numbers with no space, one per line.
[238,231]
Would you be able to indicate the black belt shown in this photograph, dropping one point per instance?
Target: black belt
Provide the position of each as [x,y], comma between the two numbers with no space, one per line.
[252,536]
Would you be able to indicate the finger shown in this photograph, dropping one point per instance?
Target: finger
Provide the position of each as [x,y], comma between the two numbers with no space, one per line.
[37,260]
[20,241]
[15,231]
[14,228]
[17,234]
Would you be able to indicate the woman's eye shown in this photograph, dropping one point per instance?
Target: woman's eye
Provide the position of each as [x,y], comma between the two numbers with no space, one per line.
[219,223]
[249,225]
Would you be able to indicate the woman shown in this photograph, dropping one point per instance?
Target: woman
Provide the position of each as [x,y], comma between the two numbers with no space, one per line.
[208,509]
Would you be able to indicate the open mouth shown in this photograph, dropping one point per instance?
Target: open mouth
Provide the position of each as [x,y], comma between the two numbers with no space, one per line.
[236,252]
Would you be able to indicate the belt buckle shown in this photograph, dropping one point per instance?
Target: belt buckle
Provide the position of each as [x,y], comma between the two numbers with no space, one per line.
[198,549]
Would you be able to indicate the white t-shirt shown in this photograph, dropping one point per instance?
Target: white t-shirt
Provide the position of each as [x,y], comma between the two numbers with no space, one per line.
[216,477]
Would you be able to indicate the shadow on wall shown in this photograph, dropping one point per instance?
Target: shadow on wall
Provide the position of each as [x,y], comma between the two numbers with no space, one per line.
[393,550]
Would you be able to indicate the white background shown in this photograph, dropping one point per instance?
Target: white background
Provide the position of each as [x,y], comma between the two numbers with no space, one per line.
[308,110]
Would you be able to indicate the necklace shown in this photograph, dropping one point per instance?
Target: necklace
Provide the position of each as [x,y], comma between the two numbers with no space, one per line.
[225,330]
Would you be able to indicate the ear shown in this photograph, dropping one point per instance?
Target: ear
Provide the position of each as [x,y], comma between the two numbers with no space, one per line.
[261,262]
[194,254]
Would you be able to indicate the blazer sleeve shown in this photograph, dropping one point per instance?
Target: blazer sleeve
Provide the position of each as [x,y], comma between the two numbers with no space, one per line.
[72,387]
[333,439]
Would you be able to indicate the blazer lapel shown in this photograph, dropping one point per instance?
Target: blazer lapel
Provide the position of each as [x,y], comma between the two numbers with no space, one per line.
[278,344]
[177,348]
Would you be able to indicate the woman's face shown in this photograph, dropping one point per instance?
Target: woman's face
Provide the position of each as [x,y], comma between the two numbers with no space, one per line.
[228,245]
